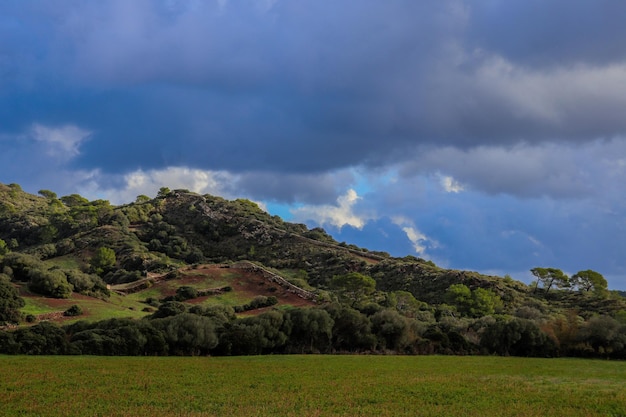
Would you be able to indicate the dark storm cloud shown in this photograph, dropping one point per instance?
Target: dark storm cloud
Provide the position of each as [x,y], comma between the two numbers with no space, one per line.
[297,86]
[555,32]
[309,189]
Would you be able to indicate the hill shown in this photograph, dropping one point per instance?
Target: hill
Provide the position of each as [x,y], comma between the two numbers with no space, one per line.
[182,252]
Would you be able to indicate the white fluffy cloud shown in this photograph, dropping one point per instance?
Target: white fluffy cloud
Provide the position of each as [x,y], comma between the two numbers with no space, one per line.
[451,185]
[419,240]
[338,215]
[149,182]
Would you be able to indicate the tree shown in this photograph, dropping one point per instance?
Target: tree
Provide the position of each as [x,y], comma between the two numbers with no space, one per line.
[353,286]
[103,260]
[4,248]
[459,295]
[52,282]
[406,304]
[549,277]
[48,194]
[475,303]
[392,330]
[163,192]
[188,334]
[74,200]
[10,302]
[352,330]
[604,335]
[517,337]
[589,280]
[310,330]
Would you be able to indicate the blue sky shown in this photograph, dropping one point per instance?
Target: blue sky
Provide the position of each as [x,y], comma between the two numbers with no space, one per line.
[483,135]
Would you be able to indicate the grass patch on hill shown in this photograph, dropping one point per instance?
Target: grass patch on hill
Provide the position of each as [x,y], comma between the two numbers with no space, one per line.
[311,386]
[94,309]
[65,262]
[35,306]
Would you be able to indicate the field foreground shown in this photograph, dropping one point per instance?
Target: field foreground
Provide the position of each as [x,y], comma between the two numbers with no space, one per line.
[310,386]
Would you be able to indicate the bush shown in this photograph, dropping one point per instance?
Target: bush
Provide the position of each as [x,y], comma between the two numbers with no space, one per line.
[169,308]
[259,301]
[10,302]
[88,284]
[186,293]
[73,311]
[50,282]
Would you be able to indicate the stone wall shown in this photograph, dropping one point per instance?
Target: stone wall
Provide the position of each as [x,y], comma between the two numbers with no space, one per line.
[272,277]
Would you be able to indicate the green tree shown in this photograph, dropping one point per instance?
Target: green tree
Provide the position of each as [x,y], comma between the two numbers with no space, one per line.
[50,282]
[406,304]
[460,296]
[517,337]
[310,330]
[188,334]
[48,194]
[163,192]
[485,302]
[589,280]
[604,335]
[74,200]
[10,302]
[392,329]
[549,277]
[353,286]
[474,303]
[4,248]
[352,330]
[103,260]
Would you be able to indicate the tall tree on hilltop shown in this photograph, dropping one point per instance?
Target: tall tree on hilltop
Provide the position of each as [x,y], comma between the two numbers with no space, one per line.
[589,280]
[549,277]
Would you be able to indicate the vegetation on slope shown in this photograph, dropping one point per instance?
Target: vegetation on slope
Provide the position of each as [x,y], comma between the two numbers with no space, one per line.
[136,259]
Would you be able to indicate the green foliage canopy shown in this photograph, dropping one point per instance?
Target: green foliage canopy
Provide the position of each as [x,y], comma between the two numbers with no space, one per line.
[4,248]
[353,286]
[10,302]
[474,303]
[589,280]
[103,260]
[51,282]
[549,277]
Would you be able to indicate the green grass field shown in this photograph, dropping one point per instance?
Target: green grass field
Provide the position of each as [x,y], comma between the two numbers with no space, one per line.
[311,386]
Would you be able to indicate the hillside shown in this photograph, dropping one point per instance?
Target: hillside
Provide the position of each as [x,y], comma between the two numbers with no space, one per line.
[182,252]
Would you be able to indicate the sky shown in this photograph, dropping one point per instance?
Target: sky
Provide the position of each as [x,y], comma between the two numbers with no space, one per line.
[484,135]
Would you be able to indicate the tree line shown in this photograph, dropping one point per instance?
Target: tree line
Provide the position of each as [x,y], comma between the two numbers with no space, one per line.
[179,329]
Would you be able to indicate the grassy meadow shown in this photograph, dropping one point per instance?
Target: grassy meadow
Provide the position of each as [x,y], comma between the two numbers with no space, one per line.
[310,386]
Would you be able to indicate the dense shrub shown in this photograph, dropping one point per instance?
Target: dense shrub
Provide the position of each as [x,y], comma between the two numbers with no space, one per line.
[51,282]
[260,301]
[88,284]
[186,293]
[10,302]
[73,311]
